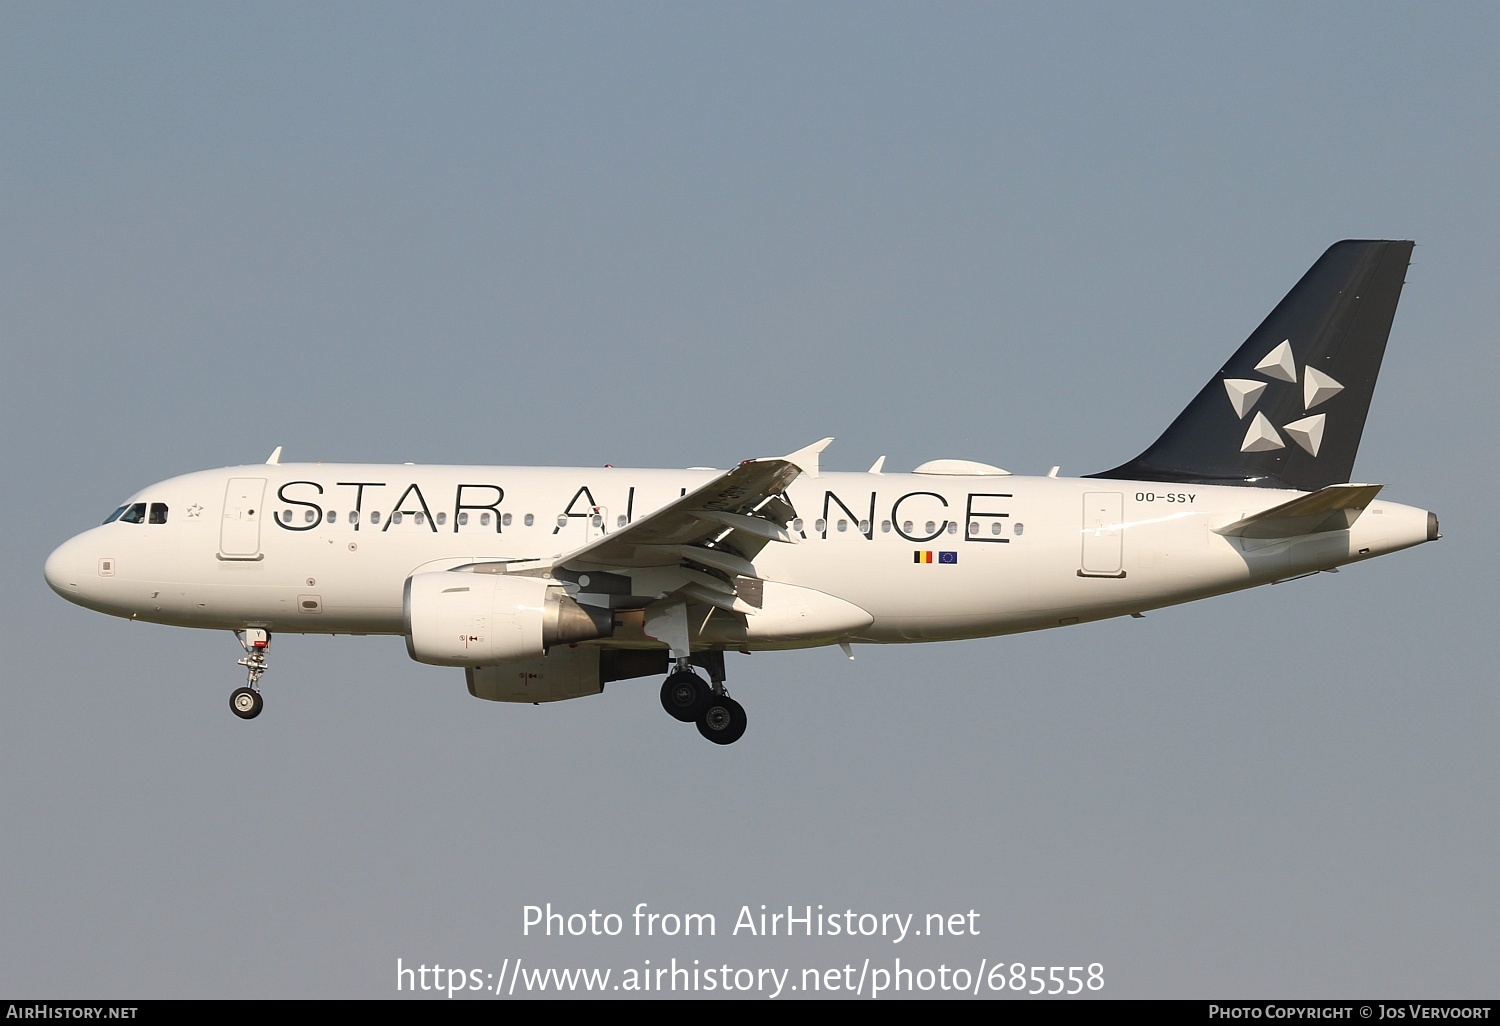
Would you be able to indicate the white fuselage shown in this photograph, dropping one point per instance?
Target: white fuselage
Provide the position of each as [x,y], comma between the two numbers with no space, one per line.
[327,548]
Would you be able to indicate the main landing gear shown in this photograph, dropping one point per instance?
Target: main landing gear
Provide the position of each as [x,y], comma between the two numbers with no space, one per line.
[689,698]
[246,702]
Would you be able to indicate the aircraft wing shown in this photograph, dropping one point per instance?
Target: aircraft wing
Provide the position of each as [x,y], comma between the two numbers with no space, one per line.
[721,525]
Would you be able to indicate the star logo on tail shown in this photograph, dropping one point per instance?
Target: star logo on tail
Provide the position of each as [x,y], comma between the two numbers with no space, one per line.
[1280,364]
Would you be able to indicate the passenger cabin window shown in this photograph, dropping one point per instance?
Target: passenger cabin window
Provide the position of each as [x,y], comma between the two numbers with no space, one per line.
[353,516]
[158,513]
[463,518]
[333,517]
[374,516]
[311,516]
[484,520]
[396,517]
[135,513]
[441,518]
[530,520]
[505,520]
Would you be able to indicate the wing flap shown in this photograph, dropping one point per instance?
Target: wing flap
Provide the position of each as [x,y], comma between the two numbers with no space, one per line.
[714,559]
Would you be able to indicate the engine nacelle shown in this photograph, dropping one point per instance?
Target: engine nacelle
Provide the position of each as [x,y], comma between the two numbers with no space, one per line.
[480,619]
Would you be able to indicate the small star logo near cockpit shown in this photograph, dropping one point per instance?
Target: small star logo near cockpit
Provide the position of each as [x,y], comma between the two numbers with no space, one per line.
[1280,365]
[194,511]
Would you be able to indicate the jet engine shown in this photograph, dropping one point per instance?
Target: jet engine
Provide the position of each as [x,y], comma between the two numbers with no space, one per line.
[479,619]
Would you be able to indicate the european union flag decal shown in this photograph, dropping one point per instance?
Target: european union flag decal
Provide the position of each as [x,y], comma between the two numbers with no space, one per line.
[947,557]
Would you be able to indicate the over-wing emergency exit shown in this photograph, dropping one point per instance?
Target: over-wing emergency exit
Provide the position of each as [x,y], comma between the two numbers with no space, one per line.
[548,583]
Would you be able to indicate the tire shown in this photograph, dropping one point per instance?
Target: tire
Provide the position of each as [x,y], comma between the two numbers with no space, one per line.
[723,722]
[685,696]
[246,703]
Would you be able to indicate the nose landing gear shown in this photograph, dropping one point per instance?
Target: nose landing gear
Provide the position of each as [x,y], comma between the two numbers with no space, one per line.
[246,702]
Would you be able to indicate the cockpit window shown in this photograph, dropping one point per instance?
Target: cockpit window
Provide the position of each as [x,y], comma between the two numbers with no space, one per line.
[158,513]
[115,515]
[135,513]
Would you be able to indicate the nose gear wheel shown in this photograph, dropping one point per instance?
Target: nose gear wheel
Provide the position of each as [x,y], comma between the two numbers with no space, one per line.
[245,703]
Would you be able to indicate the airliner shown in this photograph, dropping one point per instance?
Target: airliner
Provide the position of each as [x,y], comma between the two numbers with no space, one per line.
[545,584]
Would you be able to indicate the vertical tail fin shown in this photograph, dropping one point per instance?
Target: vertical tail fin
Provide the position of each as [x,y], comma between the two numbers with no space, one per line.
[1288,409]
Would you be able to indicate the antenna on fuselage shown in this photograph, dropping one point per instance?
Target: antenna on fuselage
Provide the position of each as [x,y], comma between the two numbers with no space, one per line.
[275,456]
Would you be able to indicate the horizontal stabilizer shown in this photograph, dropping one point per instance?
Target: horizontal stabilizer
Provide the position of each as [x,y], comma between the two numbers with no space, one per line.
[1334,508]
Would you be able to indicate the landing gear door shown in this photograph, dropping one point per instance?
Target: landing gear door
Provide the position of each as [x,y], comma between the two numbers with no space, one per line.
[1103,535]
[239,530]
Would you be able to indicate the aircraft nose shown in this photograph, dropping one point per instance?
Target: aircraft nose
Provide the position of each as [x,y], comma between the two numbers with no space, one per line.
[62,570]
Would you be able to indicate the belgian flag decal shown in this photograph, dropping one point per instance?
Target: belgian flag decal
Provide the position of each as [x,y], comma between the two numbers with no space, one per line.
[928,556]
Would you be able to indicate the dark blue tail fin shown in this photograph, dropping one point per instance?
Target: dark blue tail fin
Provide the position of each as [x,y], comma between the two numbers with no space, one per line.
[1288,409]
